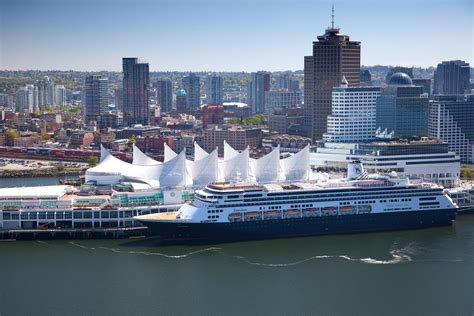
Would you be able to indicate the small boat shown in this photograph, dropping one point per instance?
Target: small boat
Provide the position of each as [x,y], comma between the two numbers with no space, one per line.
[291,213]
[347,210]
[235,217]
[271,215]
[310,212]
[252,216]
[327,211]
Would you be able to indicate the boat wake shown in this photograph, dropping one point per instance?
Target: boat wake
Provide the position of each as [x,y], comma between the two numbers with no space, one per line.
[148,253]
[398,256]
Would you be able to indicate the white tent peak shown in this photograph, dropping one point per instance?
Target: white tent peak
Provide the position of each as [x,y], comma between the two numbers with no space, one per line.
[103,153]
[199,153]
[139,158]
[169,153]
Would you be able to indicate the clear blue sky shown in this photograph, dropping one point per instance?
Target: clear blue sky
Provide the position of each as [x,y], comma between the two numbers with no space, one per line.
[222,35]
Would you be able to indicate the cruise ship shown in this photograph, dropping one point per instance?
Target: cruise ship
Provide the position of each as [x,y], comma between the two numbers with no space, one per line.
[359,203]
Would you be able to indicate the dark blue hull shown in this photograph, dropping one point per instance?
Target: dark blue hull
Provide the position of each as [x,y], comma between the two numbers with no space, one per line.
[281,228]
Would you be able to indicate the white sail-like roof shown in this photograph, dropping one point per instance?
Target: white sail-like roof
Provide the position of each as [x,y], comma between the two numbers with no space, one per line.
[267,168]
[296,167]
[203,171]
[139,158]
[103,153]
[172,173]
[199,153]
[229,152]
[235,168]
[169,153]
[176,171]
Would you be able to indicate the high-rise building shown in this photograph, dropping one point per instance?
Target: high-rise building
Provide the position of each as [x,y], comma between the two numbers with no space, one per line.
[26,99]
[136,81]
[60,95]
[294,84]
[451,77]
[425,83]
[259,84]
[96,98]
[353,114]
[212,114]
[282,81]
[215,89]
[334,56]
[6,100]
[402,109]
[451,121]
[282,99]
[45,93]
[192,85]
[181,100]
[164,95]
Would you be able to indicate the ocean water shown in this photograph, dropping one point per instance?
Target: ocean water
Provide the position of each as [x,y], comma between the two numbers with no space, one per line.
[420,272]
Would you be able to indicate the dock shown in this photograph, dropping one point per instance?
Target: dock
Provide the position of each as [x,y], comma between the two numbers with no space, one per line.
[76,233]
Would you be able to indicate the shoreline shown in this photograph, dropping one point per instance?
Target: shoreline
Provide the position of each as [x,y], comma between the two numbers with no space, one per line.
[43,172]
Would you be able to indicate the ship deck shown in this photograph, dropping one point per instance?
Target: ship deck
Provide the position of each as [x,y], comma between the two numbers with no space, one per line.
[158,216]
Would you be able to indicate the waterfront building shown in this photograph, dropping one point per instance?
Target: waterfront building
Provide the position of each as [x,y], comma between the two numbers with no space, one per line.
[450,120]
[429,160]
[353,115]
[334,56]
[451,77]
[136,80]
[96,98]
[215,89]
[286,143]
[164,95]
[258,85]
[236,136]
[282,99]
[402,109]
[192,86]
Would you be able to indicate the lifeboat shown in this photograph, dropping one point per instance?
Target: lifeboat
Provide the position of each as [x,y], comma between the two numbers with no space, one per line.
[327,211]
[310,212]
[347,210]
[291,213]
[271,214]
[235,217]
[252,216]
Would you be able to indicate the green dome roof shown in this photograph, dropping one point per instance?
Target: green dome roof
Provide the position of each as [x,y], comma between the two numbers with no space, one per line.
[181,92]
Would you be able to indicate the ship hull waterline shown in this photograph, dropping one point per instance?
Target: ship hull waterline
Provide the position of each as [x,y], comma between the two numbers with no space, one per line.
[299,227]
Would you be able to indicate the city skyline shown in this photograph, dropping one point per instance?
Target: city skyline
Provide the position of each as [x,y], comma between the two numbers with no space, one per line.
[270,35]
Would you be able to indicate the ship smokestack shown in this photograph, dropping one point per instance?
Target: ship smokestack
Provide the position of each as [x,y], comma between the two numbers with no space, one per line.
[355,170]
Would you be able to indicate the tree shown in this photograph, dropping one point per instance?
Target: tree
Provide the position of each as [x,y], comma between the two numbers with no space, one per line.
[11,135]
[133,139]
[45,136]
[93,161]
[234,120]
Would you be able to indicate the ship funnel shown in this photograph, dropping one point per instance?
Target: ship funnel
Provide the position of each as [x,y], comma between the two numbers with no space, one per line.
[355,170]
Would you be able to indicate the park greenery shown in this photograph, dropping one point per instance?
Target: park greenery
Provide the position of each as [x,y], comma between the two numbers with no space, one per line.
[255,120]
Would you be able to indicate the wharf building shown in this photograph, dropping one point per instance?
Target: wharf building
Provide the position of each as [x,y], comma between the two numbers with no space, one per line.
[334,56]
[425,159]
[136,81]
[96,98]
[192,86]
[451,77]
[259,84]
[402,109]
[164,95]
[215,89]
[450,120]
[353,114]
